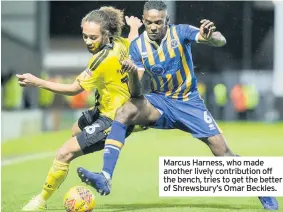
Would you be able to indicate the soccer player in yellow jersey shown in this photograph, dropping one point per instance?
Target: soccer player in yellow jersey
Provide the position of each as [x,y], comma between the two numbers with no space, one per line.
[101,31]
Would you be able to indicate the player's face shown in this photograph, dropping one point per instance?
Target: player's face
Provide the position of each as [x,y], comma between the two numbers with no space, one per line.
[92,36]
[155,23]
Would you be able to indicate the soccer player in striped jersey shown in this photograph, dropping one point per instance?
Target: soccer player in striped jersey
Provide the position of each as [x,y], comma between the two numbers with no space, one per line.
[164,51]
[101,31]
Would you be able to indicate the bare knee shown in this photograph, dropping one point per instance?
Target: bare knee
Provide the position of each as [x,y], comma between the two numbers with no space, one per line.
[69,151]
[64,155]
[218,145]
[126,113]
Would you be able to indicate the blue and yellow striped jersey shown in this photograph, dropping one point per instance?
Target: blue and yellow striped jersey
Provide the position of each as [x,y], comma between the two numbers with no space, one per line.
[170,65]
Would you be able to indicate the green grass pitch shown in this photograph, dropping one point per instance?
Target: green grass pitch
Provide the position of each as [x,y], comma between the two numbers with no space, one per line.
[135,182]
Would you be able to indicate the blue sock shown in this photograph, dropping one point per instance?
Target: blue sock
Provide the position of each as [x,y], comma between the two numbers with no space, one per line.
[113,145]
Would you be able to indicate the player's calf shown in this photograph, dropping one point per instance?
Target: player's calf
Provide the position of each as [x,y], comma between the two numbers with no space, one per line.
[218,145]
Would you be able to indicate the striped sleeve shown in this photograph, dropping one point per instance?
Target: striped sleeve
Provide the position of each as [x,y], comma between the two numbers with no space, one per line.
[92,75]
[135,56]
[188,32]
[98,60]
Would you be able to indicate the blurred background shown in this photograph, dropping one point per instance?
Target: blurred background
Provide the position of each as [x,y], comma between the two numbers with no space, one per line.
[241,81]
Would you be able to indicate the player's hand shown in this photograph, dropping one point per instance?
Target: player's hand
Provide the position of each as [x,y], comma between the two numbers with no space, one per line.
[207,28]
[128,66]
[28,80]
[133,21]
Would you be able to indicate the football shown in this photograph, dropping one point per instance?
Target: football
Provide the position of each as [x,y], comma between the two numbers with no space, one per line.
[79,199]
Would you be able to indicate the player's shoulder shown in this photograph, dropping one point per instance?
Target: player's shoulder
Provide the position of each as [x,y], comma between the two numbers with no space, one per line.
[181,26]
[185,27]
[98,59]
[178,28]
[137,38]
[121,40]
[185,30]
[134,43]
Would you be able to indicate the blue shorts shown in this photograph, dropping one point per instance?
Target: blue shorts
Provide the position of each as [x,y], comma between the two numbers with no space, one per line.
[191,116]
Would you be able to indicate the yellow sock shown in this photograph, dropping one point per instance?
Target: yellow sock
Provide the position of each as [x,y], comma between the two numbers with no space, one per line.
[55,177]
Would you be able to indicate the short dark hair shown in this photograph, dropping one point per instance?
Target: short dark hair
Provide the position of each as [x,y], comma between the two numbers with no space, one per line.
[156,5]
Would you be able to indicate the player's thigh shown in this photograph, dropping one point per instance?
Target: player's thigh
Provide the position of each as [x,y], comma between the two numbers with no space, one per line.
[76,129]
[80,124]
[137,111]
[88,117]
[92,138]
[193,117]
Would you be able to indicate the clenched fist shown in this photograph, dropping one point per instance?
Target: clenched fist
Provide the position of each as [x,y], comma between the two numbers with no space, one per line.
[128,66]
[133,21]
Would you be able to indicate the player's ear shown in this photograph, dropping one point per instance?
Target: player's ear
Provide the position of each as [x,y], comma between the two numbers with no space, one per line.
[143,19]
[107,33]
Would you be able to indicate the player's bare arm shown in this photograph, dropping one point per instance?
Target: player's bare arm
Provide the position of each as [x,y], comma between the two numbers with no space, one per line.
[209,36]
[29,80]
[135,85]
[134,23]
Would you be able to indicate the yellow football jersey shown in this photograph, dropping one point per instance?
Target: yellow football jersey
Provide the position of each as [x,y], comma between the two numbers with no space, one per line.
[104,74]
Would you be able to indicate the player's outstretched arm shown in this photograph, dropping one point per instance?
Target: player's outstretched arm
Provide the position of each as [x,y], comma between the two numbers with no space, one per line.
[134,23]
[29,80]
[134,83]
[209,36]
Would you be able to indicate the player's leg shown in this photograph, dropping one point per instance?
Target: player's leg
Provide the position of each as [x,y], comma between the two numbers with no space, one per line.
[136,111]
[91,139]
[192,116]
[201,124]
[76,129]
[218,145]
[86,119]
[59,169]
[56,175]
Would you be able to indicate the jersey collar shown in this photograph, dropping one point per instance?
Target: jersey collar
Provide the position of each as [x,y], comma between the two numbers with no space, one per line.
[109,45]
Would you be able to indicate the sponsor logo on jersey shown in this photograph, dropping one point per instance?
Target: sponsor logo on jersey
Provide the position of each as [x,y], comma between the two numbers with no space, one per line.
[174,43]
[157,69]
